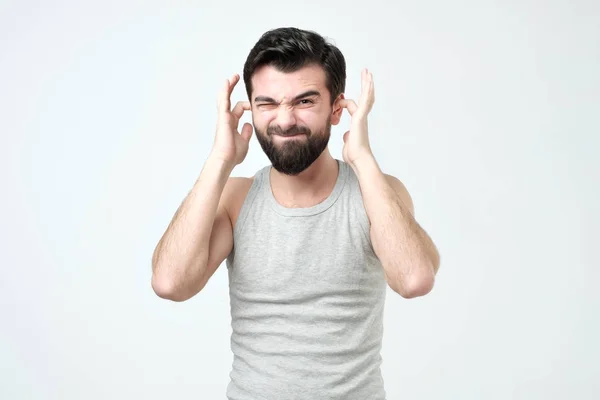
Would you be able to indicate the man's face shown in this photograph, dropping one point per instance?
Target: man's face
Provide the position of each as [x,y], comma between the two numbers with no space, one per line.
[292,116]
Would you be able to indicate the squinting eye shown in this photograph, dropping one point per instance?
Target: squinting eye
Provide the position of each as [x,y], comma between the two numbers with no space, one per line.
[305,101]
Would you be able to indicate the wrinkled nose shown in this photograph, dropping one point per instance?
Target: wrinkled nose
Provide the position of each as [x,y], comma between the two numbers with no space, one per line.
[285,118]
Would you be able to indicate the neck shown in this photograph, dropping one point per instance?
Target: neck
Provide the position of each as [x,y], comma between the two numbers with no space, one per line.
[308,188]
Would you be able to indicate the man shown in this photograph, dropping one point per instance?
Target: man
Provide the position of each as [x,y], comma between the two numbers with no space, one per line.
[310,241]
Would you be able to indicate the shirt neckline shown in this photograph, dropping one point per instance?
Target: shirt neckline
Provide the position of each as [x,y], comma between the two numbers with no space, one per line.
[307,211]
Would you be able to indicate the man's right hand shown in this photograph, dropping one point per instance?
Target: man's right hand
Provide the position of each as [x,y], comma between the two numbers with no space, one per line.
[231,146]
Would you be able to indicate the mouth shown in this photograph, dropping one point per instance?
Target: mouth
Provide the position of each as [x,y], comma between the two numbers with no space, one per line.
[290,136]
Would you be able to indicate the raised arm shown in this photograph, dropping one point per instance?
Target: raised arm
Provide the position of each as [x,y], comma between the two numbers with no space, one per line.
[199,236]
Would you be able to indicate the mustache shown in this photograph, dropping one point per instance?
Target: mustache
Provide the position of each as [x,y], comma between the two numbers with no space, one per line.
[291,131]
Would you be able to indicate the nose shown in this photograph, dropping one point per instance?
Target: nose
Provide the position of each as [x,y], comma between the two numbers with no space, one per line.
[285,117]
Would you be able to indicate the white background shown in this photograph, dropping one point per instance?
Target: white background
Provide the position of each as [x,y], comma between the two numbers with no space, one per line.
[488,111]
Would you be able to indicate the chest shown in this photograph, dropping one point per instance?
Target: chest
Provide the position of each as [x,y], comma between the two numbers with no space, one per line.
[293,257]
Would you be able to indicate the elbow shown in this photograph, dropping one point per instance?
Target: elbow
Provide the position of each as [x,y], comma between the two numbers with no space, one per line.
[417,289]
[167,288]
[417,285]
[173,282]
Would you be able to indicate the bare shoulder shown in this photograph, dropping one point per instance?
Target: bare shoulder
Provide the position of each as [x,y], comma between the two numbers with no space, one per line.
[235,192]
[402,192]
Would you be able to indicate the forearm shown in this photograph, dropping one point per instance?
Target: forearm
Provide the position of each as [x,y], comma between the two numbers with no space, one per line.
[408,255]
[181,255]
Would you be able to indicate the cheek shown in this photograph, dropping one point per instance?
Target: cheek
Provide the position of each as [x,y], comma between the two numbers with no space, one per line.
[259,120]
[310,116]
[263,117]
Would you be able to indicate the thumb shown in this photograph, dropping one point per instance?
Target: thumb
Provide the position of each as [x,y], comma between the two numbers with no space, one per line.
[247,132]
[345,137]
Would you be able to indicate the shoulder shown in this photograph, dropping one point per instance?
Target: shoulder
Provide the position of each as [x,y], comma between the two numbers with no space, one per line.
[401,191]
[234,194]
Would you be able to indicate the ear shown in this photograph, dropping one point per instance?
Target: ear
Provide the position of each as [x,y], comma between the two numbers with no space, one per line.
[336,113]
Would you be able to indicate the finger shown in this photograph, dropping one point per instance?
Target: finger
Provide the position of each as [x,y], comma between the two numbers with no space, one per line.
[224,103]
[345,137]
[349,104]
[363,79]
[367,89]
[246,132]
[222,98]
[239,108]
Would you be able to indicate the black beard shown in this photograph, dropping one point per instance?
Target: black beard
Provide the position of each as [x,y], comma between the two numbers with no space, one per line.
[294,156]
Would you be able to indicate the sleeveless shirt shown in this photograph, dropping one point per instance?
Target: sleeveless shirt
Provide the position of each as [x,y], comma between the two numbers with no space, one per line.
[307,296]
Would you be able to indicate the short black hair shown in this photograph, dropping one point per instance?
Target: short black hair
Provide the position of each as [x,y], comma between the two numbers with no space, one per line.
[289,49]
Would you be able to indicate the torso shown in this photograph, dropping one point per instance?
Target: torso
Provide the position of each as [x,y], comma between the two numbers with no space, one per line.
[306,296]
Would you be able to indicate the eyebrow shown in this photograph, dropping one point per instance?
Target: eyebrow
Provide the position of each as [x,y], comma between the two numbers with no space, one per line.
[267,99]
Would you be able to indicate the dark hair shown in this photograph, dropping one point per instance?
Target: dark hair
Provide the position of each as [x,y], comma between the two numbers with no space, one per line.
[290,49]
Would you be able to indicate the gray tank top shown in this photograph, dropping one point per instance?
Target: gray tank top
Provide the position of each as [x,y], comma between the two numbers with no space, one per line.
[307,297]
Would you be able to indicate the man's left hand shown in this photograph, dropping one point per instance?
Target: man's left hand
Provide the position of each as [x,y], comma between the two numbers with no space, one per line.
[356,140]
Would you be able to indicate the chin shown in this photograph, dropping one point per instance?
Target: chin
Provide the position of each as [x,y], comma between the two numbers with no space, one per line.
[289,171]
[292,157]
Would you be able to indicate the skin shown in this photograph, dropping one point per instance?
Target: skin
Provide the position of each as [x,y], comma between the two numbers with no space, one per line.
[200,237]
[277,99]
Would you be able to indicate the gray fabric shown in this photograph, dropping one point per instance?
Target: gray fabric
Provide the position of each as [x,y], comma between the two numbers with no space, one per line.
[307,295]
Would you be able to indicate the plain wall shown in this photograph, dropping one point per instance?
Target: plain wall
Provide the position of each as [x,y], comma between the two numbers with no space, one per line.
[488,111]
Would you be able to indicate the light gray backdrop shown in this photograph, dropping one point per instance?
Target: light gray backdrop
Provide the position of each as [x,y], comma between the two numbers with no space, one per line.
[488,111]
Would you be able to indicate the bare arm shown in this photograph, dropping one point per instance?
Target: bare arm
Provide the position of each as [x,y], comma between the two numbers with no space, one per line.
[200,231]
[200,235]
[409,258]
[408,255]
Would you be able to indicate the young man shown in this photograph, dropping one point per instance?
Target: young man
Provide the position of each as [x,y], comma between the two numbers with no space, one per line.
[310,241]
